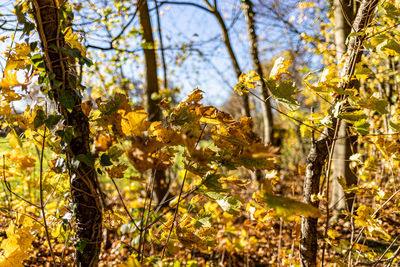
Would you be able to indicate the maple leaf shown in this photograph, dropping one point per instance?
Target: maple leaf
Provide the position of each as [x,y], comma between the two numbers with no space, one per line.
[74,40]
[237,133]
[212,115]
[257,156]
[117,171]
[23,160]
[287,207]
[135,122]
[194,97]
[164,135]
[103,141]
[284,92]
[246,81]
[10,80]
[280,67]
[146,154]
[18,243]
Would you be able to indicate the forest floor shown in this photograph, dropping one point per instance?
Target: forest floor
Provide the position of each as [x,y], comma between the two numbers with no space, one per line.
[267,246]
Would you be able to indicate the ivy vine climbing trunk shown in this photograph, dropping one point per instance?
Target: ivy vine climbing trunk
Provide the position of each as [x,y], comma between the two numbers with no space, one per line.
[161,186]
[247,7]
[63,80]
[344,12]
[317,156]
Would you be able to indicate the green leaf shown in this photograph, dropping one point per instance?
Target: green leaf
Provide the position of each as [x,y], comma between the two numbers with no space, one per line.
[231,204]
[80,246]
[374,103]
[105,160]
[353,116]
[67,100]
[67,134]
[362,126]
[39,119]
[52,120]
[84,60]
[211,182]
[395,126]
[391,48]
[390,10]
[73,52]
[89,159]
[37,61]
[287,207]
[212,194]
[284,93]
[203,221]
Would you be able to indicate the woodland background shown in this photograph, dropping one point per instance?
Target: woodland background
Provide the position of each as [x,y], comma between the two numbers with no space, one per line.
[218,133]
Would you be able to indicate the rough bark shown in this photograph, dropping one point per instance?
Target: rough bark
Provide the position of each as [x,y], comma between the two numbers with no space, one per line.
[344,12]
[247,7]
[83,179]
[315,163]
[161,185]
[317,156]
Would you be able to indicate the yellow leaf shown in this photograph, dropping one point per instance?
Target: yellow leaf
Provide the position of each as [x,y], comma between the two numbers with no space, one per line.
[15,141]
[195,96]
[10,80]
[18,243]
[247,81]
[163,135]
[305,4]
[134,122]
[333,233]
[287,207]
[74,41]
[86,107]
[103,142]
[281,66]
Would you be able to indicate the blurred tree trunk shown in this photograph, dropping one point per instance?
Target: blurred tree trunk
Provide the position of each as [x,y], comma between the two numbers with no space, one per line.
[247,7]
[161,184]
[164,64]
[85,190]
[227,41]
[316,159]
[344,12]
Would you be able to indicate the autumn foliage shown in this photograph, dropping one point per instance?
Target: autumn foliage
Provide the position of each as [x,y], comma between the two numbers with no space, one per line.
[232,198]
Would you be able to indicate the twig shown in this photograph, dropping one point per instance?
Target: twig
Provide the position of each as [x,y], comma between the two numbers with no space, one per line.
[386,251]
[179,198]
[148,214]
[9,188]
[373,215]
[284,114]
[46,228]
[123,204]
[327,175]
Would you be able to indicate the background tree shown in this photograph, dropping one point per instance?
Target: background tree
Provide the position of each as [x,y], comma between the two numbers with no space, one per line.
[344,13]
[247,7]
[161,184]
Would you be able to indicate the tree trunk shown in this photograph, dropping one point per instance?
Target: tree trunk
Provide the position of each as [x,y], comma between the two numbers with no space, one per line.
[235,63]
[164,64]
[344,12]
[84,184]
[247,7]
[160,183]
[316,158]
